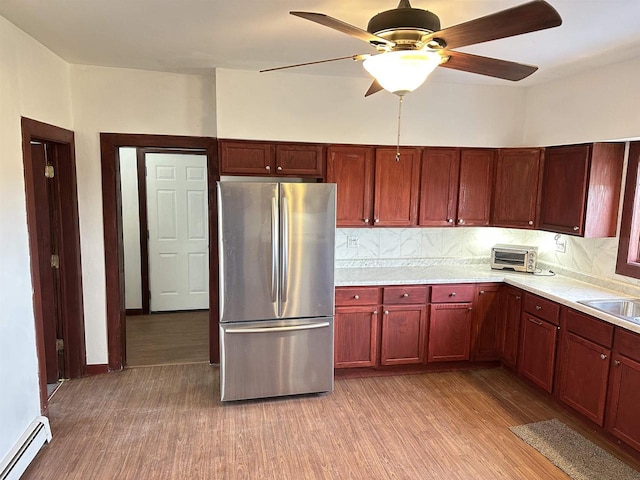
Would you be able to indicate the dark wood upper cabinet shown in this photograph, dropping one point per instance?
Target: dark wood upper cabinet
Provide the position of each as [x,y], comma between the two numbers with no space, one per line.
[439,186]
[396,185]
[581,189]
[351,168]
[516,186]
[244,157]
[456,186]
[301,160]
[475,188]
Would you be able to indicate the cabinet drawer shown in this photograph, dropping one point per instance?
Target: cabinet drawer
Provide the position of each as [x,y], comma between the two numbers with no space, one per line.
[346,296]
[452,293]
[627,343]
[402,295]
[542,308]
[590,328]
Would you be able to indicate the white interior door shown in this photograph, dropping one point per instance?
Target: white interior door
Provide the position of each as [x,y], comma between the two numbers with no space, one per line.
[177,210]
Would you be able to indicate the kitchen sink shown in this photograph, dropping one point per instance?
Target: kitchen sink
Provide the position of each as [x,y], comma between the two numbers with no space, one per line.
[625,308]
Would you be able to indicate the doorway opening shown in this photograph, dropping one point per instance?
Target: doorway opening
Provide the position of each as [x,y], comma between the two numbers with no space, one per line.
[111,145]
[54,245]
[166,259]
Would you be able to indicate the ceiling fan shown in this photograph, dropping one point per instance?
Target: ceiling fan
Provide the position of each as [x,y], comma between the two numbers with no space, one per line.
[410,43]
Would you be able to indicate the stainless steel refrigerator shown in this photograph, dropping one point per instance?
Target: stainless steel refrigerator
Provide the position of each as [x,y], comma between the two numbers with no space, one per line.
[276,250]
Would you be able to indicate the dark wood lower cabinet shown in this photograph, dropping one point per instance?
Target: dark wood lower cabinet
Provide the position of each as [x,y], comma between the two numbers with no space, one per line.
[623,419]
[509,325]
[485,323]
[403,334]
[537,351]
[449,332]
[584,376]
[356,336]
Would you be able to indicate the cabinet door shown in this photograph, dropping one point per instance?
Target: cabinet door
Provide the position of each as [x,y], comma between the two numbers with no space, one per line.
[623,414]
[510,326]
[351,168]
[515,191]
[299,160]
[485,323]
[564,189]
[449,332]
[439,186]
[396,187]
[537,351]
[355,336]
[474,190]
[245,158]
[583,376]
[403,335]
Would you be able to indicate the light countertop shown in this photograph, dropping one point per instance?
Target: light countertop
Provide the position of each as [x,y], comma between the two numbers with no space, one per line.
[561,289]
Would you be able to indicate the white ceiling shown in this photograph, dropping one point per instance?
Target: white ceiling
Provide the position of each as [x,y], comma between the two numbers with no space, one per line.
[195,36]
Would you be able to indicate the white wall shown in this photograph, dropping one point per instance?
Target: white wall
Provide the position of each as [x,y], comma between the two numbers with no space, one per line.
[603,104]
[130,228]
[33,83]
[123,101]
[286,106]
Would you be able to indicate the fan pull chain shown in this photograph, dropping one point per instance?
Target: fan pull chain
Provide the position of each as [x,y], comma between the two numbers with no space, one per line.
[400,97]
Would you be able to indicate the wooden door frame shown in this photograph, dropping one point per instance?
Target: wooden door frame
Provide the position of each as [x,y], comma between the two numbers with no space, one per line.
[69,252]
[110,144]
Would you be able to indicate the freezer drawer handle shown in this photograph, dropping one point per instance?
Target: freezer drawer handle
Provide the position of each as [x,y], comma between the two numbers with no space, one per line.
[309,326]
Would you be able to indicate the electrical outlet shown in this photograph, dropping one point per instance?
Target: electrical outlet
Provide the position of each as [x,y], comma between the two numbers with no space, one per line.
[561,245]
[352,242]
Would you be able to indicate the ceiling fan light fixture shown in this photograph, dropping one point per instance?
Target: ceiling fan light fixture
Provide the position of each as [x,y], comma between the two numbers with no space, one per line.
[402,71]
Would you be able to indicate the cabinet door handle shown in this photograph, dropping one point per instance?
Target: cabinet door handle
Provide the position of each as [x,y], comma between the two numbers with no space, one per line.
[449,220]
[616,362]
[575,229]
[470,308]
[357,297]
[535,322]
[530,222]
[267,168]
[538,307]
[377,220]
[460,221]
[603,356]
[405,295]
[279,169]
[481,292]
[386,312]
[517,297]
[366,220]
[375,312]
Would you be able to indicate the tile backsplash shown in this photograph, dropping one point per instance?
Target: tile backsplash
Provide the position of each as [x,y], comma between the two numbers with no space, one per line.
[593,258]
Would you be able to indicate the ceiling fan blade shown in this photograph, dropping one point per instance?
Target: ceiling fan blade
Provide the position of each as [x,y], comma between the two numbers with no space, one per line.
[374,88]
[525,18]
[353,57]
[492,67]
[343,27]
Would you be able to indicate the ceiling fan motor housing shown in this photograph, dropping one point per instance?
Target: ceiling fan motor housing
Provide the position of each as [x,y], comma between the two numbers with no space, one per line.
[386,23]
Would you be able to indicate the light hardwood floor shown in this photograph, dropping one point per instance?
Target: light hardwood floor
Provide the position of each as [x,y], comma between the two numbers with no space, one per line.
[168,338]
[167,423]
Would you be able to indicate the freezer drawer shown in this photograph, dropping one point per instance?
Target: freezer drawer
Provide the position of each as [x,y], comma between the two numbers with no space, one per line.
[275,358]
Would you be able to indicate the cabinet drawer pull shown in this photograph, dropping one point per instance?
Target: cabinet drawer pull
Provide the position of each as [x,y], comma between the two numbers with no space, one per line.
[452,294]
[535,322]
[386,312]
[357,297]
[405,295]
[616,362]
[538,307]
[603,356]
[481,292]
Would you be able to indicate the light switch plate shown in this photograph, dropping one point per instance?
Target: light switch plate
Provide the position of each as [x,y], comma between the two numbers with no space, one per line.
[352,242]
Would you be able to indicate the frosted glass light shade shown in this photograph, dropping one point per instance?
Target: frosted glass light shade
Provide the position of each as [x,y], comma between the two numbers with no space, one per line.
[402,71]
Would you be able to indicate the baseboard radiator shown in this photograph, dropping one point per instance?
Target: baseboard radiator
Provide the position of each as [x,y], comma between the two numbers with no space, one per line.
[25,449]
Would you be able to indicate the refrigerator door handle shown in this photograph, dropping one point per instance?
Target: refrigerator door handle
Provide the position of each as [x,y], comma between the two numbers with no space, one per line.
[274,250]
[285,249]
[309,326]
